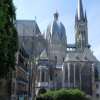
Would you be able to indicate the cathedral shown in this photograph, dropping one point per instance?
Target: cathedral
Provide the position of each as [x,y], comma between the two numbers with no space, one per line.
[59,64]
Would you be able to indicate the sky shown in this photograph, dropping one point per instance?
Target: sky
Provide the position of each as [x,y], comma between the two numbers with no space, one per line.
[42,11]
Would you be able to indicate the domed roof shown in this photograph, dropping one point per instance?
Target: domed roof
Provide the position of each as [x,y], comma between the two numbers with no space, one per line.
[56,30]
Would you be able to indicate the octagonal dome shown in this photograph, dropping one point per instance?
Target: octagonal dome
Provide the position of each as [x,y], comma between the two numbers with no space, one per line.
[56,31]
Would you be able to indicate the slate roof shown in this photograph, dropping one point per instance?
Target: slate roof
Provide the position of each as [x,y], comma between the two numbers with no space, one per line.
[85,55]
[27,27]
[30,36]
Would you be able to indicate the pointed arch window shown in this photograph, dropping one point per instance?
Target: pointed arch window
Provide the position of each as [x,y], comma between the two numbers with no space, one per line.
[43,76]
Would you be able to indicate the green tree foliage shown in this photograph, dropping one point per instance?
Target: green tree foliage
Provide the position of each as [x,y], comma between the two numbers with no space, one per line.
[63,94]
[42,91]
[8,37]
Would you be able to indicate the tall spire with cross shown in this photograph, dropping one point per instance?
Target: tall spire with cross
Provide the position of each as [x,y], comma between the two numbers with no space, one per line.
[81,28]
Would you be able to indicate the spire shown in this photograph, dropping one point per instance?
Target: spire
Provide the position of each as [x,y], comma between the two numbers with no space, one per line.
[85,16]
[80,10]
[76,16]
[81,27]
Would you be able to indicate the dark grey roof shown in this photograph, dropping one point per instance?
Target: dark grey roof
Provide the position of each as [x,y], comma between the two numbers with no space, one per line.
[74,46]
[30,36]
[71,46]
[86,55]
[33,45]
[27,28]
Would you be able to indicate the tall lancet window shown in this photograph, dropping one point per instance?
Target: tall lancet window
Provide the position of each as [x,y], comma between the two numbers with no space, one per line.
[43,76]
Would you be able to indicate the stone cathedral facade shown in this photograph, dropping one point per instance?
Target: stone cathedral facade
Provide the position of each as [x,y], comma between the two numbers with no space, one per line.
[61,65]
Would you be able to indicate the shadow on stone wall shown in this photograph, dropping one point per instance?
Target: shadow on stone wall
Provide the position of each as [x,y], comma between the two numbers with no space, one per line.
[4,90]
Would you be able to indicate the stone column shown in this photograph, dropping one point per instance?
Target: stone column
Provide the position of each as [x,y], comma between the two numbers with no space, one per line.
[74,75]
[93,80]
[68,65]
[80,77]
[63,74]
[40,75]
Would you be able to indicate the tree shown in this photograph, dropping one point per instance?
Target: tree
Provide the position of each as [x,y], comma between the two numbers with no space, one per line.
[63,94]
[8,37]
[42,91]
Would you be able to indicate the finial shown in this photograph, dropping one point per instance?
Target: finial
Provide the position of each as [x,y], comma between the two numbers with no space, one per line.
[35,18]
[56,15]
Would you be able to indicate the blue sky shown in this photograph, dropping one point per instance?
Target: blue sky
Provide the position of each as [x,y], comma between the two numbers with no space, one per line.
[44,10]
